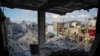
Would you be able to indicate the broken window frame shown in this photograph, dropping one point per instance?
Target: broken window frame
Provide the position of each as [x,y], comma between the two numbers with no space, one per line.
[41,31]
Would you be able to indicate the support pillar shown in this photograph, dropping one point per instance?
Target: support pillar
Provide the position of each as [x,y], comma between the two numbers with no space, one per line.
[41,28]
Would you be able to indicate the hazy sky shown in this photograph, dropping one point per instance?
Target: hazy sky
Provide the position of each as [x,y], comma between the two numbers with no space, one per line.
[80,15]
[17,15]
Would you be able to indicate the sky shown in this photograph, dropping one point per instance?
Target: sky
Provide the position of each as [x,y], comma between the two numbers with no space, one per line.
[80,15]
[18,15]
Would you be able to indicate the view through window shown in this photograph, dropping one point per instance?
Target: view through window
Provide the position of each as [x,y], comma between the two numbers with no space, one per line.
[74,31]
[22,30]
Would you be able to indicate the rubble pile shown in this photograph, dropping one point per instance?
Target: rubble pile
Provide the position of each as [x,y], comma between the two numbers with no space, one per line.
[58,44]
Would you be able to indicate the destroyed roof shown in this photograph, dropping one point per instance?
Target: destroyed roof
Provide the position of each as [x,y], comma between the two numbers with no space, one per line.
[55,6]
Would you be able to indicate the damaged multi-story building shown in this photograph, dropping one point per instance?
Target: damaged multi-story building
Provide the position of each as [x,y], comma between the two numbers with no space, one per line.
[76,30]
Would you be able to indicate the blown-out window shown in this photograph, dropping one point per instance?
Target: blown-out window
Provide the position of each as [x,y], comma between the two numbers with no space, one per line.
[22,31]
[77,35]
[71,32]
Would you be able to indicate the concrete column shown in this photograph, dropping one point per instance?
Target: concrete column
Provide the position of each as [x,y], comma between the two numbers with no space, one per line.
[41,28]
[95,45]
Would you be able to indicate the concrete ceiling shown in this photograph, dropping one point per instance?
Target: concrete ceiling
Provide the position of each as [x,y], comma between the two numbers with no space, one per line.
[54,6]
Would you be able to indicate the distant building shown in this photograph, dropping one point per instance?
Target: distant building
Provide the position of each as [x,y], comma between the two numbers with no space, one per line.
[24,26]
[91,27]
[74,24]
[16,28]
[8,27]
[58,28]
[49,28]
[79,31]
[33,26]
[92,22]
[67,28]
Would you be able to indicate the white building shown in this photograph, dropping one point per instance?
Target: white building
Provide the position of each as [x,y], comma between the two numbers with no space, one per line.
[50,28]
[92,22]
[24,26]
[76,24]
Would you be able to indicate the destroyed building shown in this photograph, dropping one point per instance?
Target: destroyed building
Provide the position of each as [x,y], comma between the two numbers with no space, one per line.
[54,6]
